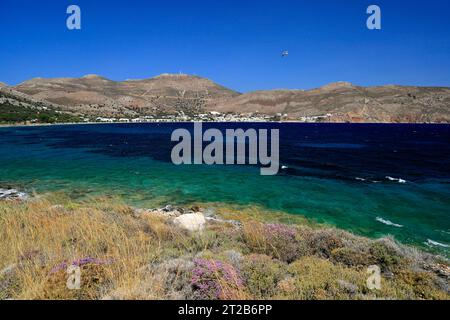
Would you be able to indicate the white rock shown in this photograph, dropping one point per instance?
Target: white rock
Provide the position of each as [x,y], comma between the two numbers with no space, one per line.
[13,194]
[191,222]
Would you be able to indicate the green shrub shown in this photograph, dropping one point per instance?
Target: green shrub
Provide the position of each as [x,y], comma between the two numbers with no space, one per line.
[418,285]
[352,257]
[261,274]
[313,278]
[323,242]
[386,256]
[276,240]
[10,113]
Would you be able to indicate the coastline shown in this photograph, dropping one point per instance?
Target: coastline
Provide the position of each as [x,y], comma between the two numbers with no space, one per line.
[111,170]
[198,243]
[108,233]
[234,122]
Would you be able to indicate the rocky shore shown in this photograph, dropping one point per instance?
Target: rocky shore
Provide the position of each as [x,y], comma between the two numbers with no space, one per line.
[13,195]
[196,252]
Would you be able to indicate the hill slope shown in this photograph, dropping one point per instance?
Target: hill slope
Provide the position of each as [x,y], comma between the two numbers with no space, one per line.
[17,107]
[94,95]
[343,102]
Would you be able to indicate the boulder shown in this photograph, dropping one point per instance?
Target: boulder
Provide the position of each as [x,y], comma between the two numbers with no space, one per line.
[13,194]
[167,211]
[191,222]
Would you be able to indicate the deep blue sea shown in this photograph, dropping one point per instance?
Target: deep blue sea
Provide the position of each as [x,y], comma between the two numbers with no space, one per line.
[371,179]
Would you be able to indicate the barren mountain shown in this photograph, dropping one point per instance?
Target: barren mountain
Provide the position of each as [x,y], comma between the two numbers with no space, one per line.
[17,98]
[344,102]
[93,95]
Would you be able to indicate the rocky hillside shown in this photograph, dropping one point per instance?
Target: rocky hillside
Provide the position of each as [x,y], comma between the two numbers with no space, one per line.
[170,94]
[17,107]
[344,102]
[95,95]
[202,253]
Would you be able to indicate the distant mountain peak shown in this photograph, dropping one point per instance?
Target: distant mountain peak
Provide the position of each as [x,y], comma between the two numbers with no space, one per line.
[336,85]
[172,75]
[176,76]
[92,76]
[35,79]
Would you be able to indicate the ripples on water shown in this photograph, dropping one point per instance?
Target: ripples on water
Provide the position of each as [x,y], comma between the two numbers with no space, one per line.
[370,179]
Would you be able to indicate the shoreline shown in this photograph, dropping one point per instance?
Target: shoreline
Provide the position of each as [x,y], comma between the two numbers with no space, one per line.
[266,214]
[198,245]
[233,122]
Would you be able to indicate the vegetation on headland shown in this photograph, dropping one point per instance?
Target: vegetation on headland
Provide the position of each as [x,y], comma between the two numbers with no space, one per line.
[129,253]
[12,114]
[19,110]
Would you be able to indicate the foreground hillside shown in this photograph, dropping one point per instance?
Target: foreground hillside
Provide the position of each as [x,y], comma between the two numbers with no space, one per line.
[212,253]
[180,94]
[20,108]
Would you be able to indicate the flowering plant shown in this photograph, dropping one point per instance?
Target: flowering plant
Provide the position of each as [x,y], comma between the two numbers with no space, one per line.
[214,279]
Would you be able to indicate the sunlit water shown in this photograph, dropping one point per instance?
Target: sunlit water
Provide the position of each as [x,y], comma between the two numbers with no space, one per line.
[371,179]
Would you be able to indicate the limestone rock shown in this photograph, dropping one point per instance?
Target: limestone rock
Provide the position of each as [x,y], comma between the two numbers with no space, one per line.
[13,194]
[191,222]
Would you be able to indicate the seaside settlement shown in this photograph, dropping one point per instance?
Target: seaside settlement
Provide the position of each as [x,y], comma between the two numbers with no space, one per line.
[212,116]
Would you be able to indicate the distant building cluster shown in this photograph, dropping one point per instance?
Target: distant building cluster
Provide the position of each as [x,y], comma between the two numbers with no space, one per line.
[212,116]
[315,118]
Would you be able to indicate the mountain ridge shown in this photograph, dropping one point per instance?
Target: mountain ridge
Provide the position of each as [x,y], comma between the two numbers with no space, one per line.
[172,94]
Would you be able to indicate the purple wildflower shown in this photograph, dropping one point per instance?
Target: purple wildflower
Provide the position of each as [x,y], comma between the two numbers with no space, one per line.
[281,231]
[281,242]
[207,276]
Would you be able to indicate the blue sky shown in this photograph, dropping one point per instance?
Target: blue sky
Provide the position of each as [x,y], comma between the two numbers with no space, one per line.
[237,43]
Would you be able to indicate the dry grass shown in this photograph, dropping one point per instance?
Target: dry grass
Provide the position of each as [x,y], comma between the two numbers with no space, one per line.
[147,257]
[38,236]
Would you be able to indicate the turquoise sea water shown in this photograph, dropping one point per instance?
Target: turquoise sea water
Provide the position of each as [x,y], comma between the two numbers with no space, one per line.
[343,175]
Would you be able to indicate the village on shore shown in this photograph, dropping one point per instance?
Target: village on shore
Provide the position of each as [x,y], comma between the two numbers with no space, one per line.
[212,116]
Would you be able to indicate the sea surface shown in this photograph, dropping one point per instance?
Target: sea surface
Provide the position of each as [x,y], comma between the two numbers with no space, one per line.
[371,179]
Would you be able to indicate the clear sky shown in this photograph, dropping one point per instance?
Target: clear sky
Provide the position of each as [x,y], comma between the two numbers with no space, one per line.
[237,43]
